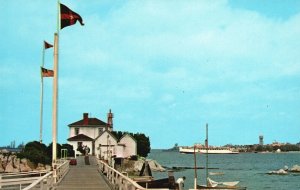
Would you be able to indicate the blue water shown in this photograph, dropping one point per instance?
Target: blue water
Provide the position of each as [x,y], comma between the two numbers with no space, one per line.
[248,168]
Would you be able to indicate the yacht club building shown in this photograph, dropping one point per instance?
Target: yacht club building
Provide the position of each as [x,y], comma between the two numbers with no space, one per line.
[98,137]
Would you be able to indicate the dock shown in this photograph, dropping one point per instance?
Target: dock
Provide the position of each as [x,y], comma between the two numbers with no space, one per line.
[84,175]
[89,173]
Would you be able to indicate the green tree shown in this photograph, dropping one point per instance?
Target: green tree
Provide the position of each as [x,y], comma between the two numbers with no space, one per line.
[269,148]
[289,147]
[35,152]
[259,148]
[58,150]
[71,152]
[143,144]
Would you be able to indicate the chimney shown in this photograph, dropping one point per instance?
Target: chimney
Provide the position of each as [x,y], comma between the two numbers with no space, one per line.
[110,119]
[85,118]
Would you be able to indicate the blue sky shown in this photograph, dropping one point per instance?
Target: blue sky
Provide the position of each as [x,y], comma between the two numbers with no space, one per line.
[165,68]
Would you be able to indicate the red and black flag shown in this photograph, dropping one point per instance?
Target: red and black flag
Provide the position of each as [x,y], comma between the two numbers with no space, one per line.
[46,72]
[68,17]
[47,45]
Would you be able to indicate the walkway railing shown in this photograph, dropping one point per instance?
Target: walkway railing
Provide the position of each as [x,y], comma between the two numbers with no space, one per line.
[43,183]
[37,180]
[118,180]
[62,170]
[19,180]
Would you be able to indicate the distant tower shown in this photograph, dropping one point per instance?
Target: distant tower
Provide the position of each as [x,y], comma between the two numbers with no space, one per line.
[110,120]
[261,140]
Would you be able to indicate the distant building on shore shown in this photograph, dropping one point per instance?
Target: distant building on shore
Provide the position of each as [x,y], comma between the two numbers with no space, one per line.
[261,140]
[97,136]
[275,143]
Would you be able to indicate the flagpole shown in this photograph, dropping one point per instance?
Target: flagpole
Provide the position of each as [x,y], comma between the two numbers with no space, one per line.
[55,93]
[55,96]
[42,96]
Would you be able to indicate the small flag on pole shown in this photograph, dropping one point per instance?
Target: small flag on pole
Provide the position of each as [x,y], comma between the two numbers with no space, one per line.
[47,45]
[68,17]
[46,72]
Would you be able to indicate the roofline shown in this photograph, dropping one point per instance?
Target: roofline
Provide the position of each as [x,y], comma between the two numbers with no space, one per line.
[89,119]
[88,138]
[70,125]
[129,136]
[108,133]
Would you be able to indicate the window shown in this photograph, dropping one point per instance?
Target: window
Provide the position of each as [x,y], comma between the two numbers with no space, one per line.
[76,131]
[100,130]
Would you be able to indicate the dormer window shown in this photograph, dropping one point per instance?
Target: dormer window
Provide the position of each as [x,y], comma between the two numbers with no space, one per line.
[76,131]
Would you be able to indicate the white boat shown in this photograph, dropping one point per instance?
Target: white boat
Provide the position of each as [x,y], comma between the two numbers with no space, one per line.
[203,150]
[220,185]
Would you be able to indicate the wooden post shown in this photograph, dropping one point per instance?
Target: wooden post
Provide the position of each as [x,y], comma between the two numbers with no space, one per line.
[206,154]
[195,164]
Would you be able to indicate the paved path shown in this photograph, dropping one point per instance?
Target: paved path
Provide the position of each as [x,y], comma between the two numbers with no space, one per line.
[83,176]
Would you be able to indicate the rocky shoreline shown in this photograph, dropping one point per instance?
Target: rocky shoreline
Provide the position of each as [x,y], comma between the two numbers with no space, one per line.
[136,166]
[12,164]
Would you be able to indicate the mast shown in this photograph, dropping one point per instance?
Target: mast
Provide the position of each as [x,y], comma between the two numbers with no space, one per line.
[206,144]
[195,164]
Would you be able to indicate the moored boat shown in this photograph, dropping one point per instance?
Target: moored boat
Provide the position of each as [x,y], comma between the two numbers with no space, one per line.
[220,185]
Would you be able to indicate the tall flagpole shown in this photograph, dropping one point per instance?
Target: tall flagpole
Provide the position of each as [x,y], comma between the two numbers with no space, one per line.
[55,92]
[55,99]
[42,97]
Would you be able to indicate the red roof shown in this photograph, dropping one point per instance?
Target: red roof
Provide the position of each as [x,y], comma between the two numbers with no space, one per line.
[90,121]
[80,137]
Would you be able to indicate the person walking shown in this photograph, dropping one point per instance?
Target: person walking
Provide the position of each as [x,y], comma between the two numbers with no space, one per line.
[180,182]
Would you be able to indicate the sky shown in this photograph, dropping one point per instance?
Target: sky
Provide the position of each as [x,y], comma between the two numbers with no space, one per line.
[164,68]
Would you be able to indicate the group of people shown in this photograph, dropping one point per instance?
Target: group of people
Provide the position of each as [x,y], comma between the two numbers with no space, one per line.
[86,150]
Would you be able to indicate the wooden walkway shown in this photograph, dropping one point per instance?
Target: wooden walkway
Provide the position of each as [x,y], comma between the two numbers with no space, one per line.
[83,176]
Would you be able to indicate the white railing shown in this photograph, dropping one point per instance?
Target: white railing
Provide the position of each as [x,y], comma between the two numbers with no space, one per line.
[118,180]
[19,180]
[62,170]
[42,180]
[45,182]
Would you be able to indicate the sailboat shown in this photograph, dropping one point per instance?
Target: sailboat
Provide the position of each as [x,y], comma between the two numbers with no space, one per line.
[211,184]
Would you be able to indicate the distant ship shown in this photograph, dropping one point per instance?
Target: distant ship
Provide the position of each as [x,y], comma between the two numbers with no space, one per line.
[199,148]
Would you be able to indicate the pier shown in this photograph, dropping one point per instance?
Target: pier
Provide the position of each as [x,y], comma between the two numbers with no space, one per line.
[83,176]
[91,174]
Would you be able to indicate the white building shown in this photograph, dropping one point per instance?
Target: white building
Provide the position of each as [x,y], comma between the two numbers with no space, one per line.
[129,146]
[106,145]
[97,136]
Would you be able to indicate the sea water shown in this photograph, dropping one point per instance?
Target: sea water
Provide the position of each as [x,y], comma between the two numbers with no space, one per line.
[248,168]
